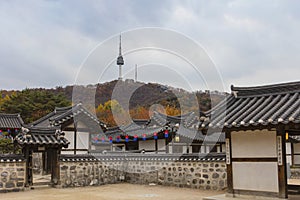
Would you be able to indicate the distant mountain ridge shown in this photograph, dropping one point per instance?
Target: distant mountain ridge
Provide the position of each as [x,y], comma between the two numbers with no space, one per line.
[144,95]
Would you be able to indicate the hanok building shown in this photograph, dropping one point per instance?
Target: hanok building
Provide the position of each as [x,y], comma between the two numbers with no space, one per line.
[165,134]
[49,142]
[77,123]
[294,151]
[10,126]
[104,142]
[256,121]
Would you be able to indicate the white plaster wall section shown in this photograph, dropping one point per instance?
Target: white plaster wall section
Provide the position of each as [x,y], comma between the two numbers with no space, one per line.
[147,145]
[202,149]
[296,151]
[254,144]
[296,159]
[69,135]
[253,176]
[288,148]
[297,148]
[79,125]
[170,149]
[184,149]
[223,148]
[191,149]
[161,144]
[208,149]
[82,141]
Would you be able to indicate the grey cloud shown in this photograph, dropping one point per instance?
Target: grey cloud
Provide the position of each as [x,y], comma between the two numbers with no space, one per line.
[43,43]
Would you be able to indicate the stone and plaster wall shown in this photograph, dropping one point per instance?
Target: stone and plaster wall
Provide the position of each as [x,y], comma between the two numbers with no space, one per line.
[203,175]
[12,173]
[295,173]
[209,174]
[88,173]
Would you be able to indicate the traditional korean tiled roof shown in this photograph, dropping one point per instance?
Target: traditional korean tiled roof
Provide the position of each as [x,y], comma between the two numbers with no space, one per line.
[256,106]
[188,120]
[96,157]
[11,121]
[45,120]
[62,115]
[131,131]
[294,139]
[197,135]
[42,136]
[159,123]
[113,130]
[11,158]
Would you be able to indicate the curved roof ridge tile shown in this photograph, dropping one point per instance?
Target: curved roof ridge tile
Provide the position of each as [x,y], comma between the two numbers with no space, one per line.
[265,90]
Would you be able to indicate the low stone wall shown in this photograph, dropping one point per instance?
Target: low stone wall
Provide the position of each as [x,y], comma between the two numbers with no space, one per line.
[295,173]
[205,173]
[90,172]
[12,173]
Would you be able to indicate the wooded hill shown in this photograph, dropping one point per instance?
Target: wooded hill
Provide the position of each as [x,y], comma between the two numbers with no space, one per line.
[34,103]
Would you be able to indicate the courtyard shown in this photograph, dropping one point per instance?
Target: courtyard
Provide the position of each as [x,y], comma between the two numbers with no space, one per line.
[113,191]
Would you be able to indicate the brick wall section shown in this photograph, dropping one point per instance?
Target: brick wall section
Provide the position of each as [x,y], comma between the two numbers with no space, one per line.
[12,173]
[209,175]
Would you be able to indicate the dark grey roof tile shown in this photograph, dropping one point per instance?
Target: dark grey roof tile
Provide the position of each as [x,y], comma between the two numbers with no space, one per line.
[10,121]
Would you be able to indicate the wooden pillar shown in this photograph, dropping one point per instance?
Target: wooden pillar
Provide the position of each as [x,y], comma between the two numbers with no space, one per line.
[55,174]
[75,137]
[26,155]
[49,159]
[292,154]
[282,171]
[44,163]
[229,162]
[156,146]
[30,174]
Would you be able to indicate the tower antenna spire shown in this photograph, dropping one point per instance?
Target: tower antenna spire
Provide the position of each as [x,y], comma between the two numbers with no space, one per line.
[120,45]
[135,75]
[120,60]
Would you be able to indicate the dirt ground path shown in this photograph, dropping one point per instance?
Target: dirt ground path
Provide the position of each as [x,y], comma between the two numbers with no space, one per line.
[111,192]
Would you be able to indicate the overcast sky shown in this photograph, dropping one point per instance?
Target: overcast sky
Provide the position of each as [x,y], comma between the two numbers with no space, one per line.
[44,43]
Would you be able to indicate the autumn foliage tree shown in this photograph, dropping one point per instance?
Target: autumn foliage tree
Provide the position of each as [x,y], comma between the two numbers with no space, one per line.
[112,113]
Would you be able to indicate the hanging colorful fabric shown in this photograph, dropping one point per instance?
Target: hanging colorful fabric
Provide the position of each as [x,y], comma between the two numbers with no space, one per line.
[126,138]
[95,139]
[103,139]
[144,136]
[110,139]
[135,138]
[0,132]
[16,130]
[166,133]
[155,136]
[118,138]
[8,130]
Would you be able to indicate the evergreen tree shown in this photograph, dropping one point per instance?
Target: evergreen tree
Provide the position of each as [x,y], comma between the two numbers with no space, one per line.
[33,104]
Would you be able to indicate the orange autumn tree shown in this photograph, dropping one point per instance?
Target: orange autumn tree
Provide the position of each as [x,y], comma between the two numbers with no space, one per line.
[139,113]
[112,113]
[172,111]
